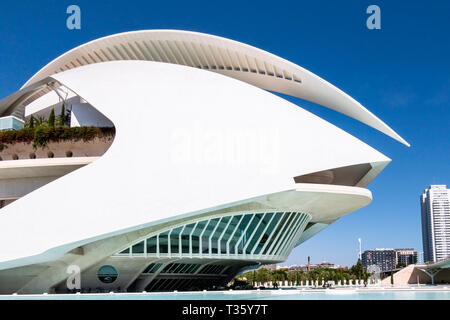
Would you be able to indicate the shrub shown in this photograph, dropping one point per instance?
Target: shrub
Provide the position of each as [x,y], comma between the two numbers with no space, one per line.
[41,135]
[15,157]
[50,154]
[25,135]
[69,154]
[32,155]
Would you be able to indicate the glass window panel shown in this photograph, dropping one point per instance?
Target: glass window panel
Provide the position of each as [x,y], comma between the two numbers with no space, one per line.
[155,267]
[188,229]
[178,269]
[249,232]
[149,268]
[189,268]
[195,268]
[184,243]
[138,248]
[228,233]
[276,232]
[172,268]
[298,221]
[163,242]
[215,237]
[258,232]
[185,267]
[185,237]
[126,251]
[151,245]
[282,232]
[167,267]
[287,232]
[175,240]
[196,235]
[205,237]
[268,232]
[240,229]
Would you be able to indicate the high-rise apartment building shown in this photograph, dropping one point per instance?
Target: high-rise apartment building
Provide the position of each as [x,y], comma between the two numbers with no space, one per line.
[435,211]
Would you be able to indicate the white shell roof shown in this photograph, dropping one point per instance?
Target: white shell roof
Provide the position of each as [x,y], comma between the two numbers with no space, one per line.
[221,55]
[161,167]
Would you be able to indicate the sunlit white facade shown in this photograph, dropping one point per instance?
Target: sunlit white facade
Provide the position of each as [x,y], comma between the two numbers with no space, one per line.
[209,173]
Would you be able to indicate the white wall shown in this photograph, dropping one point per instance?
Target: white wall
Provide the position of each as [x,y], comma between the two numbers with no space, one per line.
[186,140]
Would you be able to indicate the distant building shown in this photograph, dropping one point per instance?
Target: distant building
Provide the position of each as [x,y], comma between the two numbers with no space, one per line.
[407,256]
[385,259]
[311,266]
[328,265]
[269,266]
[435,212]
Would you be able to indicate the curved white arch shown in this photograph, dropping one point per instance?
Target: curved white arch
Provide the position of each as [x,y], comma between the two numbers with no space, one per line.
[217,54]
[140,181]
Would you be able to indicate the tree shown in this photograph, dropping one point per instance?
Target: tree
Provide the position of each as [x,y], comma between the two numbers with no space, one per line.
[62,117]
[357,269]
[51,118]
[392,278]
[365,277]
[31,122]
[40,121]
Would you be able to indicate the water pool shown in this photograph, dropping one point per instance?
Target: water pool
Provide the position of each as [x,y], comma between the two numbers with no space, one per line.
[433,293]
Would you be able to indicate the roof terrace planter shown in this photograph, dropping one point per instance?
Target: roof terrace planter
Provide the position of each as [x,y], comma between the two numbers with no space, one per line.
[60,141]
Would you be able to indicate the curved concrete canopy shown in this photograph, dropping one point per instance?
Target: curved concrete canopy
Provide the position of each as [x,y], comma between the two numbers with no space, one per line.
[217,54]
[162,182]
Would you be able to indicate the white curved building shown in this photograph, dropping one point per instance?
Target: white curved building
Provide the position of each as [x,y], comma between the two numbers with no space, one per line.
[209,173]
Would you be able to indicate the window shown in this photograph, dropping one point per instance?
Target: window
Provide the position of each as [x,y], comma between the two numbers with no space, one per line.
[175,240]
[228,233]
[205,237]
[258,232]
[196,236]
[268,233]
[163,242]
[138,249]
[185,237]
[152,268]
[151,245]
[215,237]
[107,274]
[237,234]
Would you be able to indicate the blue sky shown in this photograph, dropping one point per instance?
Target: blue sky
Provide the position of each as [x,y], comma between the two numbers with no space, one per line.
[401,73]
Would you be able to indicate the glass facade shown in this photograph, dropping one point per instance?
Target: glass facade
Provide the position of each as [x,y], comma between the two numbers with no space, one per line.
[11,123]
[249,235]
